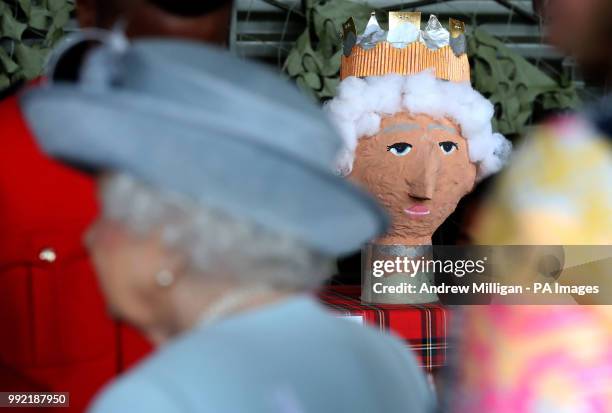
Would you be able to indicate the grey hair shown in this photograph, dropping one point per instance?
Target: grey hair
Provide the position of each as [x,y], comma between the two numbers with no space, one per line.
[213,242]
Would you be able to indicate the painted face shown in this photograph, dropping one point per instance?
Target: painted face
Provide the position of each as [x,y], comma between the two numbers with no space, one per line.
[418,168]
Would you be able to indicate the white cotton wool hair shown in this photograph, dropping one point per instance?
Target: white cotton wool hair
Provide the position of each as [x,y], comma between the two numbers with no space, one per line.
[360,105]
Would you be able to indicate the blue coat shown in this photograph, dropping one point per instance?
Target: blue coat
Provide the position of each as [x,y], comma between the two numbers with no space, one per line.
[290,357]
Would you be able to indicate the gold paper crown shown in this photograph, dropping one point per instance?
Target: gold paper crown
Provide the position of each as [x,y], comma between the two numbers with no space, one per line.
[450,62]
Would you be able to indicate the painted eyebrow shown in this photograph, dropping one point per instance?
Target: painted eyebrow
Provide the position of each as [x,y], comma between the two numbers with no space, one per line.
[401,127]
[449,129]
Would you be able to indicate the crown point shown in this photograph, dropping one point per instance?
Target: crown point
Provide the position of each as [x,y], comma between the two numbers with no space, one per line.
[373,21]
[372,26]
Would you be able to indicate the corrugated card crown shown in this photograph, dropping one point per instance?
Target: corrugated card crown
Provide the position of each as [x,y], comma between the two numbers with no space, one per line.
[406,49]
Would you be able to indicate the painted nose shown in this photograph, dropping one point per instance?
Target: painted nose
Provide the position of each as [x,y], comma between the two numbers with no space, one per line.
[422,183]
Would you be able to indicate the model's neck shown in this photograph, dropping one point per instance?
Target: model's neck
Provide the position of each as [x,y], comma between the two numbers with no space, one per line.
[398,240]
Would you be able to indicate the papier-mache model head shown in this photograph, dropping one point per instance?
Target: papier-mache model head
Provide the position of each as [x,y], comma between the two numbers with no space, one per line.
[416,134]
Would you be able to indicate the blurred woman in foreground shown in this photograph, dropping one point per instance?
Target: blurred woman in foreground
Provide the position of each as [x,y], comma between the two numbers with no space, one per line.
[557,191]
[219,214]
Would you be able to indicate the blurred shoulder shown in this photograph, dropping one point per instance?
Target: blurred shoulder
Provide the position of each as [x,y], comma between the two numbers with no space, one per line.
[163,381]
[200,370]
[135,393]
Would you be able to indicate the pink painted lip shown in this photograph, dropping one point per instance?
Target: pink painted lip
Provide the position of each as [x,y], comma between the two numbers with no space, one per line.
[417,210]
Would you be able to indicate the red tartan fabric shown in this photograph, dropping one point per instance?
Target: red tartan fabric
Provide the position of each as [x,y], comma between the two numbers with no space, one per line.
[423,327]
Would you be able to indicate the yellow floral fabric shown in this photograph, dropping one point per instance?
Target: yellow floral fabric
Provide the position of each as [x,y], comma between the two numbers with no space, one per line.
[557,190]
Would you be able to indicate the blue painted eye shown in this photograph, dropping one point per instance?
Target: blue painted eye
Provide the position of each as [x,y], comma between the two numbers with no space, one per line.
[448,147]
[400,148]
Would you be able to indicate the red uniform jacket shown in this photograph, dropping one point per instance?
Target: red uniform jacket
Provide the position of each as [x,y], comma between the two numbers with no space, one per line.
[55,334]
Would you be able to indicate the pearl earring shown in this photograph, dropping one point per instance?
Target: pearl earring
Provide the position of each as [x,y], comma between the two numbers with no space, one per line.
[164,278]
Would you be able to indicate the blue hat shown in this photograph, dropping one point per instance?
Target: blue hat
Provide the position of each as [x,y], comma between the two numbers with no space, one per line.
[187,118]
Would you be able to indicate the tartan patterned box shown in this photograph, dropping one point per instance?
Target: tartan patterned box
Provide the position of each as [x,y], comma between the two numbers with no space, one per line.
[423,327]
